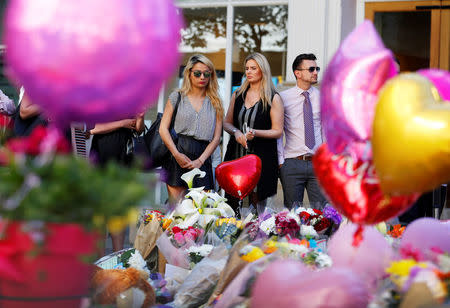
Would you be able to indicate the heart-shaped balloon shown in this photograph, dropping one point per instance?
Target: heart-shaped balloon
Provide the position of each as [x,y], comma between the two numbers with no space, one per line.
[238,177]
[349,91]
[440,79]
[353,188]
[411,136]
[92,61]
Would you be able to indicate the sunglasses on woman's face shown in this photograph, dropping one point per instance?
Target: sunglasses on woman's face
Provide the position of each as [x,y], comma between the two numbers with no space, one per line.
[197,74]
[310,69]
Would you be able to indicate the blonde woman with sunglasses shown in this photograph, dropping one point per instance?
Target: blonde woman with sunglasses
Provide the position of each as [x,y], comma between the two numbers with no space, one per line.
[198,124]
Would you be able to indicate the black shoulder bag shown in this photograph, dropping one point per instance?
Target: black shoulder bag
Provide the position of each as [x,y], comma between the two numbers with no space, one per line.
[155,146]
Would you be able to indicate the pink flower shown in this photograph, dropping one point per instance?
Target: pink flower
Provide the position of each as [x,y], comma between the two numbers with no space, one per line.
[179,238]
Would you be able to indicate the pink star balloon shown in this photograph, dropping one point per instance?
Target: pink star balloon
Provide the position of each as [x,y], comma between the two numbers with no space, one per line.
[92,60]
[349,90]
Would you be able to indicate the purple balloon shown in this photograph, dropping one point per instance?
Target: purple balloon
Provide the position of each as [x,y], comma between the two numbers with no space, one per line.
[440,79]
[369,259]
[349,91]
[331,287]
[92,60]
[424,234]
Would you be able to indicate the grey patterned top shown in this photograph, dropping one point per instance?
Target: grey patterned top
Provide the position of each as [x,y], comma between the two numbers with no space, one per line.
[190,123]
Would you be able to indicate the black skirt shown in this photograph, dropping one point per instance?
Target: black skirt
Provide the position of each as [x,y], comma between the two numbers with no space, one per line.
[192,148]
[113,146]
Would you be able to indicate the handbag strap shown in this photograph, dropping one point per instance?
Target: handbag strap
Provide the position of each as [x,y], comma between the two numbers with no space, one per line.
[174,114]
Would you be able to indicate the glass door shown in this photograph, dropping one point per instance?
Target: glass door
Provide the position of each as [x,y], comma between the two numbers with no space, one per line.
[418,32]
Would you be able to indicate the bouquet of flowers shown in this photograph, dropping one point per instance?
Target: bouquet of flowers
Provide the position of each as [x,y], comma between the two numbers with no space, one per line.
[180,237]
[321,221]
[199,207]
[197,253]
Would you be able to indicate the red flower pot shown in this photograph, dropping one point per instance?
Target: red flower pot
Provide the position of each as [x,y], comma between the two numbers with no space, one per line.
[51,274]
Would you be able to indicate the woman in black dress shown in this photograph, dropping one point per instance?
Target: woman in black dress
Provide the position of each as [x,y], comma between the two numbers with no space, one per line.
[255,120]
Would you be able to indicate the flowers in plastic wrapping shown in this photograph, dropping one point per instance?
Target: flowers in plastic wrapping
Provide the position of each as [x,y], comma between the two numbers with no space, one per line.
[251,253]
[333,215]
[406,272]
[189,235]
[287,223]
[198,206]
[308,231]
[197,253]
[268,226]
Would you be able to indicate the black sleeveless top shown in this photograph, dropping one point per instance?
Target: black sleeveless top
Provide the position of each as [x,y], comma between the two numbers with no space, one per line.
[264,148]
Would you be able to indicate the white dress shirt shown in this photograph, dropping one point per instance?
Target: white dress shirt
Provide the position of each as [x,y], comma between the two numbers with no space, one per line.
[294,127]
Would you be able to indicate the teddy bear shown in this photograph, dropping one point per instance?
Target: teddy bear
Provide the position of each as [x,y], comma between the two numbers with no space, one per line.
[122,287]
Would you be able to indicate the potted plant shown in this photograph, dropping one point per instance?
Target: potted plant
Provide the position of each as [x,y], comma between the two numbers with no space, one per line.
[52,207]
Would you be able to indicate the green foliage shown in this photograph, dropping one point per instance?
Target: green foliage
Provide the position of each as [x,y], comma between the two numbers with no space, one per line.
[67,189]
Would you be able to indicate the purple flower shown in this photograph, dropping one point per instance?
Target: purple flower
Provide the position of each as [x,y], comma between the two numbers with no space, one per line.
[331,213]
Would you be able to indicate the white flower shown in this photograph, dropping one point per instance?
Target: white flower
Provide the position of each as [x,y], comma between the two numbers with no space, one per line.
[225,210]
[298,248]
[293,216]
[268,225]
[216,198]
[189,221]
[204,219]
[197,196]
[186,207]
[310,211]
[136,261]
[323,260]
[300,209]
[203,250]
[308,231]
[188,177]
[444,263]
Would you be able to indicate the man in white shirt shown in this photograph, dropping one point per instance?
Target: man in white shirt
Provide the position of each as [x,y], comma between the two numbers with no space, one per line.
[303,135]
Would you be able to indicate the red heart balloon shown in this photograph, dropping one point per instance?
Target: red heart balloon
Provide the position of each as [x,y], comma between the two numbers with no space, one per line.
[354,189]
[238,177]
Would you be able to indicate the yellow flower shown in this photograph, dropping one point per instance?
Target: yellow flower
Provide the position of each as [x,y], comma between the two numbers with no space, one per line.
[403,267]
[270,246]
[253,255]
[400,270]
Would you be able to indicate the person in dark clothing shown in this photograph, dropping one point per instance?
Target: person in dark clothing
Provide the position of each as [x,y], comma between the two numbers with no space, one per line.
[255,120]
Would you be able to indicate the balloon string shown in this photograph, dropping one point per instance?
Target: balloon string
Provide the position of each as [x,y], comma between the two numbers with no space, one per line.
[358,236]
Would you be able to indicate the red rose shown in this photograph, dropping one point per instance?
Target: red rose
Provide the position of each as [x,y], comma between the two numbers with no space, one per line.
[322,224]
[318,212]
[304,216]
[176,230]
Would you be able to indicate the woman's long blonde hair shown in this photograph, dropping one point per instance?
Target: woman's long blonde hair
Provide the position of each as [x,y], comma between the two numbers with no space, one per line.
[212,88]
[267,86]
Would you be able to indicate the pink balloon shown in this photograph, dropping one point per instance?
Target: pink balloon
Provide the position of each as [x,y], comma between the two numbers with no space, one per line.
[440,79]
[426,233]
[277,280]
[92,61]
[369,259]
[332,287]
[349,90]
